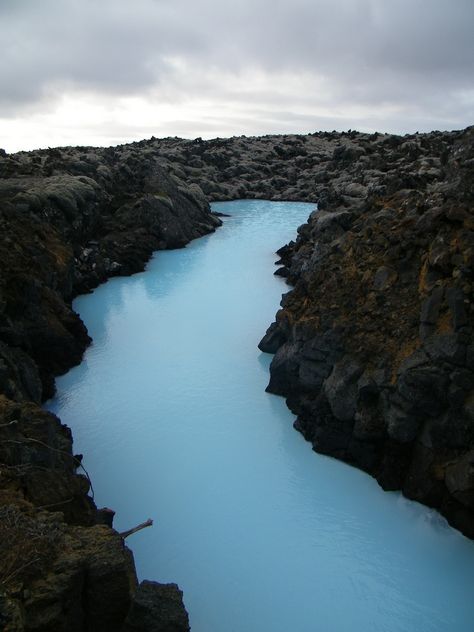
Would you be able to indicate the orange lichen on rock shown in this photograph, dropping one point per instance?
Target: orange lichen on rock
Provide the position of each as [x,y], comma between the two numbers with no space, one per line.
[444,324]
[423,287]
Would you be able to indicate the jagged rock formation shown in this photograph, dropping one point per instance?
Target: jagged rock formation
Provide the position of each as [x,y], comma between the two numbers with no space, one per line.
[373,346]
[70,219]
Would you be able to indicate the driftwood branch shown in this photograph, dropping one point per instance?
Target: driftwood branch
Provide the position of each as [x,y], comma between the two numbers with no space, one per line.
[143,525]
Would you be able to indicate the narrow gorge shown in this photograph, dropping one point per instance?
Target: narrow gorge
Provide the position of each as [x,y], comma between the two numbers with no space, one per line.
[373,345]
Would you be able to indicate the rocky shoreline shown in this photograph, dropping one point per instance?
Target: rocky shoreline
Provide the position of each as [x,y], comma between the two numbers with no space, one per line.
[373,345]
[374,348]
[70,219]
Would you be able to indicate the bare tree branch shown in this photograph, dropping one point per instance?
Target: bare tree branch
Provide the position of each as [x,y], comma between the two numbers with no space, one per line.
[143,525]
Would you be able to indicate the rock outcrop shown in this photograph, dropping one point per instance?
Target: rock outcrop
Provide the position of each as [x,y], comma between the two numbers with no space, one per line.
[373,346]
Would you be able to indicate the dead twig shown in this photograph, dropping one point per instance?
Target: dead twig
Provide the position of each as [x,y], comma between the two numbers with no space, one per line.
[143,525]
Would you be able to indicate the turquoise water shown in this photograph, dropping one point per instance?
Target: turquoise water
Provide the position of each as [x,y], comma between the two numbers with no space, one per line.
[261,533]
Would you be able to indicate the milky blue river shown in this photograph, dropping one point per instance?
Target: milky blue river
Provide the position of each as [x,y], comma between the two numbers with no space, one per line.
[262,534]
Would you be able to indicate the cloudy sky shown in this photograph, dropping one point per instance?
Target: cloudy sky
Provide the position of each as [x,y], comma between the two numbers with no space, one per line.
[104,72]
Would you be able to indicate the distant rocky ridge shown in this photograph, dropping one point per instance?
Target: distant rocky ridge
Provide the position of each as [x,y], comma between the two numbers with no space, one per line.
[373,346]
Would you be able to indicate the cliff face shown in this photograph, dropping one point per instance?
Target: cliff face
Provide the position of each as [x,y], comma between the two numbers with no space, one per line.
[70,219]
[374,348]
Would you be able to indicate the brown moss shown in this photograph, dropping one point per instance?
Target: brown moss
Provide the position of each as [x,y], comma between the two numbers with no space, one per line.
[59,250]
[444,324]
[422,279]
[404,352]
[27,545]
[438,470]
[469,223]
[454,243]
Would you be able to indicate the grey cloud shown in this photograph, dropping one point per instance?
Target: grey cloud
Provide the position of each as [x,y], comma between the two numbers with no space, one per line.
[109,46]
[414,54]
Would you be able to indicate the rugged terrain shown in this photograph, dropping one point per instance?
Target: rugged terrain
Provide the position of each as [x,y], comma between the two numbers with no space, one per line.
[374,348]
[373,345]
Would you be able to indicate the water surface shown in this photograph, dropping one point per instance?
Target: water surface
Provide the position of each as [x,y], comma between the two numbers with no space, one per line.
[261,533]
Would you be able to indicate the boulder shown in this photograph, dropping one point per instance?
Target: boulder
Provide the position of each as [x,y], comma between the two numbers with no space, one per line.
[157,608]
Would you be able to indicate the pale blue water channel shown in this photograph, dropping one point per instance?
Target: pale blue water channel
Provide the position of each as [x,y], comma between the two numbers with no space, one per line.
[262,534]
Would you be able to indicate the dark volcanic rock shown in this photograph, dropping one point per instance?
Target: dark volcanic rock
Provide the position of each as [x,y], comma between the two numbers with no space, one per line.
[63,233]
[393,279]
[157,608]
[272,340]
[69,219]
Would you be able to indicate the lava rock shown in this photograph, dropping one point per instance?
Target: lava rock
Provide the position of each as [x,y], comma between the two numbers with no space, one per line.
[157,608]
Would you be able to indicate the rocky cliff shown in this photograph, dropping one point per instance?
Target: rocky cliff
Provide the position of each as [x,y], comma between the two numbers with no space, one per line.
[71,218]
[373,346]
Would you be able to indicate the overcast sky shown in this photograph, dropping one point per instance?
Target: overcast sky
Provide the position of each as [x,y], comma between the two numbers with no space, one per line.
[104,72]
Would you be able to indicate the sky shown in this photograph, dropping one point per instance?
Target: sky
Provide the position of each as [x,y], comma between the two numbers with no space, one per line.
[104,72]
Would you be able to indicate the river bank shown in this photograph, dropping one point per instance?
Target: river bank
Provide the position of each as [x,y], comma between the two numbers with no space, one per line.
[71,219]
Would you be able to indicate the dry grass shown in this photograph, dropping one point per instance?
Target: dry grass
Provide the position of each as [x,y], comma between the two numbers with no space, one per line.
[27,545]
